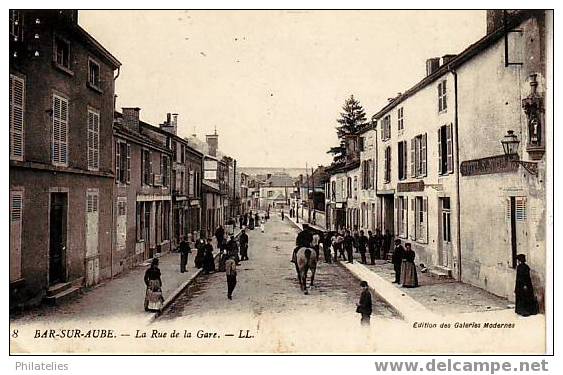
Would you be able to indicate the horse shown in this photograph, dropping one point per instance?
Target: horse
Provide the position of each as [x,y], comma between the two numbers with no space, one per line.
[306,260]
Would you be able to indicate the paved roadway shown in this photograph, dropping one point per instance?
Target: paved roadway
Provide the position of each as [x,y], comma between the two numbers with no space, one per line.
[270,305]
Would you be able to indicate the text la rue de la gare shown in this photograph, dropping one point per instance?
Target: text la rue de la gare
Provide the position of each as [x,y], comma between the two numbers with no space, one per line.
[139,334]
[464,325]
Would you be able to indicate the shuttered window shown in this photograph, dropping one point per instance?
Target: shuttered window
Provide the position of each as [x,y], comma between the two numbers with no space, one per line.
[59,152]
[93,140]
[445,150]
[387,177]
[400,119]
[442,96]
[16,215]
[521,213]
[92,202]
[421,219]
[17,104]
[402,160]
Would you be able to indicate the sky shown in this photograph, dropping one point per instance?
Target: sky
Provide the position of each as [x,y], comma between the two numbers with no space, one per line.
[272,83]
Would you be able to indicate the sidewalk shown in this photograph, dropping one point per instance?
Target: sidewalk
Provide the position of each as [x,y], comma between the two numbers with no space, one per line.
[120,298]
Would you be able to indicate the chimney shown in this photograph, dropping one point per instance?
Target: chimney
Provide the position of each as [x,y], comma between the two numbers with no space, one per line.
[131,118]
[170,125]
[212,143]
[495,18]
[432,65]
[447,58]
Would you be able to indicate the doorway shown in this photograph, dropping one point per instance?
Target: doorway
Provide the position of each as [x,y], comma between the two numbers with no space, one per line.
[57,237]
[445,244]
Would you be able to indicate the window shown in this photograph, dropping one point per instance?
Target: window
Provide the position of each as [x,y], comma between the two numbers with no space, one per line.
[445,150]
[421,219]
[386,128]
[387,176]
[270,193]
[442,96]
[446,220]
[402,160]
[333,190]
[400,120]
[93,140]
[191,182]
[519,209]
[183,154]
[140,214]
[16,25]
[166,220]
[91,202]
[121,208]
[59,140]
[419,156]
[402,216]
[164,169]
[16,214]
[349,187]
[122,162]
[62,52]
[197,184]
[146,167]
[17,104]
[93,73]
[355,187]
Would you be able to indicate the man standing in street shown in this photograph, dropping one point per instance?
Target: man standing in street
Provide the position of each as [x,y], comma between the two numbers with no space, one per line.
[232,249]
[371,246]
[362,246]
[283,216]
[348,246]
[184,251]
[378,243]
[397,259]
[231,272]
[364,307]
[243,240]
[220,236]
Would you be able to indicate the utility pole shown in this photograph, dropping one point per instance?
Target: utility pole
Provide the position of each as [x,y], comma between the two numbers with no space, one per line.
[234,187]
[308,192]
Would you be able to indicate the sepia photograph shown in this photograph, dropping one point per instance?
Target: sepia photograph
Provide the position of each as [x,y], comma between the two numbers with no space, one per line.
[280,182]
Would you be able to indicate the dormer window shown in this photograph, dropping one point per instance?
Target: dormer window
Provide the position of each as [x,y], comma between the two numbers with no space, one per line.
[61,52]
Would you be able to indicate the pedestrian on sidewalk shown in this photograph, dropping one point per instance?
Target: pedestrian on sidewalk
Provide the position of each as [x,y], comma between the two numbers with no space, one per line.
[200,246]
[371,246]
[378,244]
[208,259]
[364,307]
[232,249]
[262,225]
[409,278]
[526,303]
[220,235]
[243,240]
[397,259]
[283,216]
[231,272]
[348,246]
[184,252]
[153,282]
[339,247]
[241,221]
[356,235]
[362,246]
[327,246]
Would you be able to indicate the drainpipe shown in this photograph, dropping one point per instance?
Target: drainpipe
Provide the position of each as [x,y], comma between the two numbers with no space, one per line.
[113,220]
[376,170]
[458,204]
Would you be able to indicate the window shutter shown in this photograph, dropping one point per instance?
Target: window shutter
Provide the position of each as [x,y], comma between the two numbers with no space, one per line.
[521,213]
[423,154]
[16,213]
[440,97]
[117,161]
[150,172]
[60,130]
[413,170]
[449,148]
[397,218]
[96,140]
[424,230]
[444,97]
[17,101]
[413,219]
[128,163]
[417,169]
[440,151]
[93,140]
[405,159]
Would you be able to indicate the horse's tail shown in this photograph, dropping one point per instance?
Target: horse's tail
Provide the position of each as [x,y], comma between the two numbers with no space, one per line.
[308,254]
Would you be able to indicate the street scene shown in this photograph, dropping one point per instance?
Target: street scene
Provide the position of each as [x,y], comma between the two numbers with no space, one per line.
[242,185]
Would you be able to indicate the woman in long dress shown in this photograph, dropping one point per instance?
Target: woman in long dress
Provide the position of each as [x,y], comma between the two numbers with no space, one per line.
[526,303]
[208,259]
[153,295]
[198,261]
[408,268]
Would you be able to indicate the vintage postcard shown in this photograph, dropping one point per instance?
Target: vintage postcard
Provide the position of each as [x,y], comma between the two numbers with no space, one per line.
[280,181]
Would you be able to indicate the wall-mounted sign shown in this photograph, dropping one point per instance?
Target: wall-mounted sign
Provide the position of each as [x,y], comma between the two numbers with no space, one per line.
[490,165]
[210,175]
[406,187]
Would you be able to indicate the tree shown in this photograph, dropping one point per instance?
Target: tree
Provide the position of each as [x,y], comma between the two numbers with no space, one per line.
[352,119]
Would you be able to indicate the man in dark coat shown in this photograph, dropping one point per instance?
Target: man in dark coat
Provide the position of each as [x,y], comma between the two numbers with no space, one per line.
[378,244]
[184,251]
[349,246]
[364,307]
[231,272]
[526,303]
[220,236]
[241,221]
[304,239]
[371,246]
[200,254]
[362,246]
[327,243]
[397,259]
[243,240]
[283,215]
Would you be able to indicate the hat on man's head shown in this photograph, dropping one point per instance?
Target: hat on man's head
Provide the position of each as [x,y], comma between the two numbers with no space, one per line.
[364,284]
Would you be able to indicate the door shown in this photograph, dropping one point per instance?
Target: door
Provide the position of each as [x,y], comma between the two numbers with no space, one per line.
[120,234]
[92,253]
[57,238]
[388,214]
[445,244]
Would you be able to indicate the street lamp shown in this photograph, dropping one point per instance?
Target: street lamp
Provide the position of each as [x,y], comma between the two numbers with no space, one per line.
[510,144]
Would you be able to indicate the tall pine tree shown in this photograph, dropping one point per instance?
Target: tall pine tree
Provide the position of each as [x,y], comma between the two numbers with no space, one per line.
[352,119]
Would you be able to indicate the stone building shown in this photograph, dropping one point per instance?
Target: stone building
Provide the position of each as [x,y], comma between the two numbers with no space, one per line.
[142,193]
[61,174]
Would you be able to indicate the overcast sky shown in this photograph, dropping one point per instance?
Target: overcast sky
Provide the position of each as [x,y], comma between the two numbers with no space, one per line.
[272,83]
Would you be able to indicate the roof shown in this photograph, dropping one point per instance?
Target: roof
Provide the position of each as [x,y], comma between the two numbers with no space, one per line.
[140,138]
[470,52]
[279,180]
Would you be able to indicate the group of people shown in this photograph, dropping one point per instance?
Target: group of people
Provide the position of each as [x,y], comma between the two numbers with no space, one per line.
[250,221]
[403,263]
